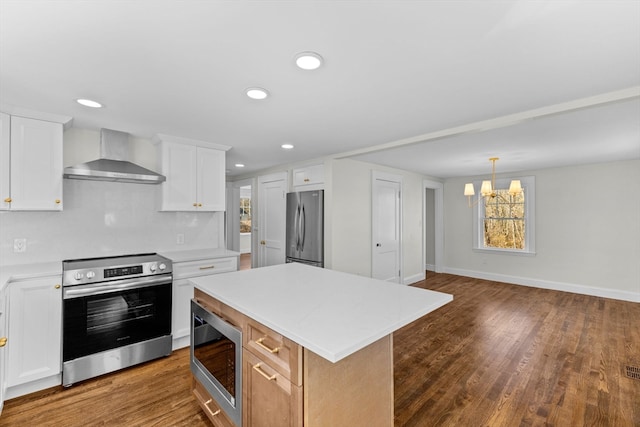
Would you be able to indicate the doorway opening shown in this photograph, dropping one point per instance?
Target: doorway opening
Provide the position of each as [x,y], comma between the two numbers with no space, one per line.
[245,227]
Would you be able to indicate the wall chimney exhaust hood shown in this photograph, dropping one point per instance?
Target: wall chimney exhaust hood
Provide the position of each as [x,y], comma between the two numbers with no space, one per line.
[113,164]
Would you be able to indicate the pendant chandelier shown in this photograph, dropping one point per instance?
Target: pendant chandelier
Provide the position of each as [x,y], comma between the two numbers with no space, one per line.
[488,188]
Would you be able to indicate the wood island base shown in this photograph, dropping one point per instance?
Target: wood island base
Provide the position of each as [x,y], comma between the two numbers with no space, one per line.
[285,384]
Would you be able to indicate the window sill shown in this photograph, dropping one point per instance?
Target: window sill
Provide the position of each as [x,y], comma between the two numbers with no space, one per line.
[504,252]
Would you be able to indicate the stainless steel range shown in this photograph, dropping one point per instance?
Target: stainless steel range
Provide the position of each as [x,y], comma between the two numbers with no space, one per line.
[116,313]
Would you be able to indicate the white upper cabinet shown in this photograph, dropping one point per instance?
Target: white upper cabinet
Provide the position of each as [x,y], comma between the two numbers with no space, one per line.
[30,164]
[195,172]
[308,176]
[5,161]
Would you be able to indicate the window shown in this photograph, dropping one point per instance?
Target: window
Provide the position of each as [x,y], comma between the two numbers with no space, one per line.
[245,215]
[505,223]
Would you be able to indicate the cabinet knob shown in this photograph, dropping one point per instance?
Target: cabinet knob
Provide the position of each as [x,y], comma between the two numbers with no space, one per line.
[3,341]
[57,286]
[199,205]
[58,201]
[195,205]
[306,180]
[262,242]
[7,200]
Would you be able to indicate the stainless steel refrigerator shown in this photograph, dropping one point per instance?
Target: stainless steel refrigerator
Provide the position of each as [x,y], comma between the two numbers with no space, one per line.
[305,227]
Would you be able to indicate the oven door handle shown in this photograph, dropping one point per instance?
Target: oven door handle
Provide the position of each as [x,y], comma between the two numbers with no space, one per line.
[115,286]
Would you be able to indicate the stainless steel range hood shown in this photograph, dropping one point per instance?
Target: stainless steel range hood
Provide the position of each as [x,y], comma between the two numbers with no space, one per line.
[113,164]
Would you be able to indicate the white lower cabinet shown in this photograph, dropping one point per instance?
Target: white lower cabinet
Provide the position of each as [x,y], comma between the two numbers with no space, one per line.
[33,349]
[3,344]
[183,292]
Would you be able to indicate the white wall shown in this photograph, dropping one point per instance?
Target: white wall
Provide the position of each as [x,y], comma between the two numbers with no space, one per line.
[105,218]
[350,218]
[587,232]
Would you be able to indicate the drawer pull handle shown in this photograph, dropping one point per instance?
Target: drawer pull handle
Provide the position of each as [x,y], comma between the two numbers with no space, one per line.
[263,373]
[208,267]
[206,404]
[260,342]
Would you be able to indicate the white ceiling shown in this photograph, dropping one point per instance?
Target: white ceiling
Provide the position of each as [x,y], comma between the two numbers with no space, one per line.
[442,82]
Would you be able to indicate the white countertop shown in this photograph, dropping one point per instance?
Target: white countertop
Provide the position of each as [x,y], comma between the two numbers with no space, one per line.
[331,313]
[198,254]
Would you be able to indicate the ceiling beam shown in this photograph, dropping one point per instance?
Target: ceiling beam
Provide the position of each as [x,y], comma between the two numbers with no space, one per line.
[503,121]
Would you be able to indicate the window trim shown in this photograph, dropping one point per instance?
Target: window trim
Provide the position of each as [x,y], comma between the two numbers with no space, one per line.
[529,185]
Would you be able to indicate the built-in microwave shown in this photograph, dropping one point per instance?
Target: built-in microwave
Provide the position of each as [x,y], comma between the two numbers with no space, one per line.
[216,359]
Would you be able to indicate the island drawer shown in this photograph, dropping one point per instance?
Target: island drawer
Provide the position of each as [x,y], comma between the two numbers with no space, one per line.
[204,267]
[215,414]
[282,354]
[269,399]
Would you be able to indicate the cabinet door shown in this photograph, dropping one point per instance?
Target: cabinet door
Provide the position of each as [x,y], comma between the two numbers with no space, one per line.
[181,307]
[310,175]
[3,343]
[270,400]
[211,173]
[36,164]
[35,330]
[5,161]
[179,166]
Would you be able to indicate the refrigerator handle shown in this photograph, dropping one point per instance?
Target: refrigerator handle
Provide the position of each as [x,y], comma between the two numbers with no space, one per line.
[296,226]
[303,228]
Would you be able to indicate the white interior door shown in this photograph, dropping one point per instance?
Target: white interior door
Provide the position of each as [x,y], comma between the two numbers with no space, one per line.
[272,205]
[386,222]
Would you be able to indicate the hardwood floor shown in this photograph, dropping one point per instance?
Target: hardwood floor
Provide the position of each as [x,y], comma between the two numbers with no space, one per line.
[508,355]
[498,355]
[245,261]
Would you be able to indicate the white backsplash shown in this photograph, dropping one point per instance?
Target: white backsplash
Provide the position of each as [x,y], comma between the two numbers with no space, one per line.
[104,219]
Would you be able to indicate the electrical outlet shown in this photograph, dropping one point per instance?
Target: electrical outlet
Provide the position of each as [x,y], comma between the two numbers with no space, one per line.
[19,245]
[180,239]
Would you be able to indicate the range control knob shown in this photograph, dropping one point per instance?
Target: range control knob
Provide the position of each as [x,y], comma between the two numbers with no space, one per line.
[152,268]
[162,266]
[78,276]
[90,274]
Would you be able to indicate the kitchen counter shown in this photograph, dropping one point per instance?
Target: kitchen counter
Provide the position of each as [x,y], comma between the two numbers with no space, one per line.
[330,313]
[198,254]
[13,273]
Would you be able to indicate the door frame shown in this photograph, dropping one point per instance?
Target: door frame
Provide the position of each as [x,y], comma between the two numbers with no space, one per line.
[232,221]
[384,176]
[438,197]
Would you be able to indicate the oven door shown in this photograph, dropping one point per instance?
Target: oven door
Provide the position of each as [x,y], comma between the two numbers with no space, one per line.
[105,316]
[216,359]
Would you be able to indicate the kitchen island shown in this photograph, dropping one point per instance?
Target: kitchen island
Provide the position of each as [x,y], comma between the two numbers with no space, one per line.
[317,344]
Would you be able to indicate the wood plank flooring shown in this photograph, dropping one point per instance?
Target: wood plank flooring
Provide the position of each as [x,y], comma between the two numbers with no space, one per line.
[498,355]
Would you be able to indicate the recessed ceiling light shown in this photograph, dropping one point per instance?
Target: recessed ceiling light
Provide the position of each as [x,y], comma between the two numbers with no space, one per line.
[239,165]
[287,146]
[257,93]
[89,103]
[308,60]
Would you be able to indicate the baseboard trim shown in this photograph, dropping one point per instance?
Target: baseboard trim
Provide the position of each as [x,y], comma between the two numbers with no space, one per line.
[33,386]
[548,284]
[413,279]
